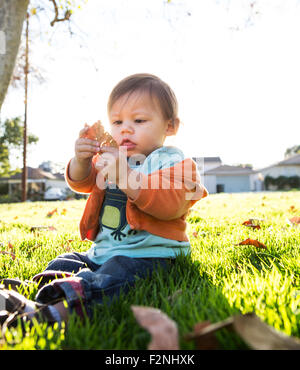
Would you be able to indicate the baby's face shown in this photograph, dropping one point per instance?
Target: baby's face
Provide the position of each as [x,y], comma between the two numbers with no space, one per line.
[137,123]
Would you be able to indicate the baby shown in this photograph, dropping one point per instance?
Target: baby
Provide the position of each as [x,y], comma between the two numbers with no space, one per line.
[140,192]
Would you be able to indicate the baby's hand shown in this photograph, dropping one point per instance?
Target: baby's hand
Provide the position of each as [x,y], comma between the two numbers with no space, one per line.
[112,164]
[100,181]
[85,148]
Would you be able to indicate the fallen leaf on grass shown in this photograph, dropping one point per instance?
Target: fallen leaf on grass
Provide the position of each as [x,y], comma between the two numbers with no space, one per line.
[13,256]
[204,333]
[42,228]
[295,221]
[251,223]
[163,330]
[197,234]
[10,252]
[253,242]
[205,339]
[257,334]
[51,213]
[292,209]
[10,246]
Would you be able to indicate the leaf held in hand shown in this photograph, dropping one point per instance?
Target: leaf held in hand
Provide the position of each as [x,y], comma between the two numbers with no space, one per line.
[163,330]
[97,132]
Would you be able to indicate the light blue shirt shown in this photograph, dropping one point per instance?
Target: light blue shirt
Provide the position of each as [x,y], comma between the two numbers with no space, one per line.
[116,237]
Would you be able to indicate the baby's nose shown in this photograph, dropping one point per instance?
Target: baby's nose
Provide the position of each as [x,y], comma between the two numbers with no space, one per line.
[127,126]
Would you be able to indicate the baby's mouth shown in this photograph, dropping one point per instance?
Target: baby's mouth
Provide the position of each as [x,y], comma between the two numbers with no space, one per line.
[129,144]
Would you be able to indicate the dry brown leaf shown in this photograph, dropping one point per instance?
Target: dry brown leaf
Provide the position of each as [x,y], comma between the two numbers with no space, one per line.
[295,220]
[163,330]
[51,213]
[207,341]
[253,242]
[251,223]
[41,228]
[10,246]
[13,256]
[97,132]
[259,335]
[204,333]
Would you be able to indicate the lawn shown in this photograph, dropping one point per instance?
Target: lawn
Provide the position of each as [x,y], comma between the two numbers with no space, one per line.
[218,280]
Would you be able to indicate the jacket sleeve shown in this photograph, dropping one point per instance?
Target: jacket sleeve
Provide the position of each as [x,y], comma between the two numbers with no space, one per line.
[169,193]
[83,186]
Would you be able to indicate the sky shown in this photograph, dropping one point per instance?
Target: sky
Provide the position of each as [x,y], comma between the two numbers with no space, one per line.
[234,69]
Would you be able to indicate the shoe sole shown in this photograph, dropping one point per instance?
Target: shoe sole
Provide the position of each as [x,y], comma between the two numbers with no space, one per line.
[9,300]
[3,299]
[13,284]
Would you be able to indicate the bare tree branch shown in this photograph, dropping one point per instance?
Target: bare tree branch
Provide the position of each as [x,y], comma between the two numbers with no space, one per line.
[56,19]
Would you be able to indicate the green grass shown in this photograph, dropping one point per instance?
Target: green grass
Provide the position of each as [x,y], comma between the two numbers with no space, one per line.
[218,280]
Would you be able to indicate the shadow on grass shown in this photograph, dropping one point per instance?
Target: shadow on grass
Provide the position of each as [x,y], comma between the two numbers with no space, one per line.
[184,292]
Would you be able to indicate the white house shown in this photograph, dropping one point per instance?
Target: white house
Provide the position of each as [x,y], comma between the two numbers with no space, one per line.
[232,179]
[38,181]
[288,167]
[218,177]
[207,163]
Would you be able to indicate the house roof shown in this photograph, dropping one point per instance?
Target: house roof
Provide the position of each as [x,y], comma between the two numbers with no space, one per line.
[209,159]
[291,161]
[230,170]
[35,174]
[294,160]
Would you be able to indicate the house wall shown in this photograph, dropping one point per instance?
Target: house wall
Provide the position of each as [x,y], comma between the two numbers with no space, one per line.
[234,184]
[205,165]
[256,182]
[210,165]
[276,171]
[61,184]
[209,181]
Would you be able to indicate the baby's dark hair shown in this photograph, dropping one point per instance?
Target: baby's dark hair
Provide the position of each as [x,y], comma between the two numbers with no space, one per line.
[154,86]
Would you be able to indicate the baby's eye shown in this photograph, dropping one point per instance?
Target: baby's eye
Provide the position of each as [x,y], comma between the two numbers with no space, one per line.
[139,120]
[117,122]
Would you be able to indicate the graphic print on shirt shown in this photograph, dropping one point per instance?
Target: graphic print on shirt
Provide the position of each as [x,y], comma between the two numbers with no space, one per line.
[113,213]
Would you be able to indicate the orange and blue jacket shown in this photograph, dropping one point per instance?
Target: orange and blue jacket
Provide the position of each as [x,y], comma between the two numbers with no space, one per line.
[161,206]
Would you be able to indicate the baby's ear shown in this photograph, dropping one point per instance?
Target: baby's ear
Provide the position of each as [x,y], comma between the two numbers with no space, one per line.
[173,126]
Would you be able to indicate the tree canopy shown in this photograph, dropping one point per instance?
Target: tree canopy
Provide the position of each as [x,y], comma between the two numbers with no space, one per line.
[292,151]
[11,137]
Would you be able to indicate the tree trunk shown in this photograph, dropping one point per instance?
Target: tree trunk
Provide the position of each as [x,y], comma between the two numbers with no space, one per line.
[12,16]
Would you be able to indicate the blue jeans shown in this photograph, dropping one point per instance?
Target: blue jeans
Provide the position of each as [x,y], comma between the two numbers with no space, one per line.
[90,282]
